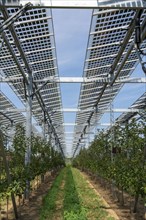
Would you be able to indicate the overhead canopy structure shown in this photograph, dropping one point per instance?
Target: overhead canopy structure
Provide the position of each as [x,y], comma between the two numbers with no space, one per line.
[139,103]
[28,50]
[110,53]
[29,61]
[80,3]
[14,117]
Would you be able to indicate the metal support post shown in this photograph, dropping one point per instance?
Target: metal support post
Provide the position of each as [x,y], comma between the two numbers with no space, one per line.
[112,131]
[44,126]
[28,131]
[127,138]
[44,140]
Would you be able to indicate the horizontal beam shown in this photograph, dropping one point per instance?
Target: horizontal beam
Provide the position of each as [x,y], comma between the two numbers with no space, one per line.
[91,80]
[79,80]
[97,110]
[121,110]
[81,125]
[82,4]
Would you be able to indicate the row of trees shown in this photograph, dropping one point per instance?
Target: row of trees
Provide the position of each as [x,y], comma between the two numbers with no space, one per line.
[43,159]
[119,157]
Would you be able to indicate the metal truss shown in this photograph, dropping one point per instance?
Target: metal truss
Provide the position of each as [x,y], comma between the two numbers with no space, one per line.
[8,118]
[140,103]
[110,50]
[77,80]
[100,4]
[29,64]
[24,59]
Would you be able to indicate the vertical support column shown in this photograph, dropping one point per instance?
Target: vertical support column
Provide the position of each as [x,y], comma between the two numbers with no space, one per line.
[88,130]
[53,142]
[44,126]
[11,135]
[96,120]
[127,138]
[112,134]
[50,141]
[28,131]
[44,141]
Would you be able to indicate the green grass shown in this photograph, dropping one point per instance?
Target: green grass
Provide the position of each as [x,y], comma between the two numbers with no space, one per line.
[49,201]
[88,198]
[72,207]
[79,200]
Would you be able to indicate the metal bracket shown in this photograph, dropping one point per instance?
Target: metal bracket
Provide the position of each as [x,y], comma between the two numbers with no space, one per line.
[14,17]
[1,43]
[143,64]
[38,89]
[142,113]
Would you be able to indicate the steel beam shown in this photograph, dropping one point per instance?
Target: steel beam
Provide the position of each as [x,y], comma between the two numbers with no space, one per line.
[85,124]
[143,35]
[6,116]
[14,57]
[28,130]
[97,110]
[78,79]
[100,4]
[13,18]
[27,65]
[112,73]
[90,80]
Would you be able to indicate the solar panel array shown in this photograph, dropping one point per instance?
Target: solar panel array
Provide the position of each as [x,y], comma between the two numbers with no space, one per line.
[140,103]
[35,32]
[8,112]
[29,46]
[108,30]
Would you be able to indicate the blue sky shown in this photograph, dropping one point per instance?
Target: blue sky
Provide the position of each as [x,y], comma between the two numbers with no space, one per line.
[71,35]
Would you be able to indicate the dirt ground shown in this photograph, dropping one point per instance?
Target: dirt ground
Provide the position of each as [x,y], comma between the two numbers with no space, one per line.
[30,210]
[123,212]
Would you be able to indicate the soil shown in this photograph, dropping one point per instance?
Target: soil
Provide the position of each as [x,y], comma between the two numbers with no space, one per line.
[122,211]
[30,210]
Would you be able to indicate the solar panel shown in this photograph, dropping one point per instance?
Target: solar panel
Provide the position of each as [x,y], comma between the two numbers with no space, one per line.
[111,37]
[8,112]
[140,103]
[35,33]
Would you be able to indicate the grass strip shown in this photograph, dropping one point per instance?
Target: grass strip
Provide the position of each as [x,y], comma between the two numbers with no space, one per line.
[49,201]
[72,207]
[89,199]
[58,213]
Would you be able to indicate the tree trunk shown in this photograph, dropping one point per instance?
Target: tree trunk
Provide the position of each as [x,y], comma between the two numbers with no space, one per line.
[122,196]
[145,209]
[42,178]
[136,202]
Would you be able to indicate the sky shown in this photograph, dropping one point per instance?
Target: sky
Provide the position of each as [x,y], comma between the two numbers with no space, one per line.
[71,35]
